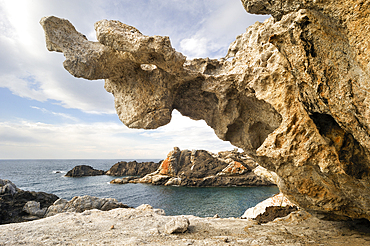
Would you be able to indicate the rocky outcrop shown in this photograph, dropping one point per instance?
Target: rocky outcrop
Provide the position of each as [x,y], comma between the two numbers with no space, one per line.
[132,168]
[13,207]
[122,168]
[7,187]
[84,170]
[34,209]
[177,225]
[274,212]
[278,200]
[81,203]
[24,206]
[202,168]
[292,92]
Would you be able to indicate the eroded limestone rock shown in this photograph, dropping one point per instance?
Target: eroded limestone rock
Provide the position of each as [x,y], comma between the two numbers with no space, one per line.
[295,96]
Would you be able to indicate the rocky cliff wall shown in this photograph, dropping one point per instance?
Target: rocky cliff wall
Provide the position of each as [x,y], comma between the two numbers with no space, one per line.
[293,92]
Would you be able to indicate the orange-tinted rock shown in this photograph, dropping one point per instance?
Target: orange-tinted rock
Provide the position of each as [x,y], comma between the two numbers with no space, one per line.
[165,166]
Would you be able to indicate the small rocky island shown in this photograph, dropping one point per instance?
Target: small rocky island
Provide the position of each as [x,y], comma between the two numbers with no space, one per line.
[122,168]
[196,168]
[200,168]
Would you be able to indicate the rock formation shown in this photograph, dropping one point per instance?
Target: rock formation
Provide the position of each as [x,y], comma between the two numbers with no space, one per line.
[202,168]
[12,203]
[292,92]
[132,168]
[84,170]
[80,204]
[7,187]
[278,200]
[177,225]
[122,168]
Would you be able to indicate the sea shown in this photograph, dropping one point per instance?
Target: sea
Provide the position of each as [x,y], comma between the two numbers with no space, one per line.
[48,176]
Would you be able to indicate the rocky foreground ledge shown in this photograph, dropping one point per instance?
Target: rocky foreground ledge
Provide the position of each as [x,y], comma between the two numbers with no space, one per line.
[81,221]
[145,226]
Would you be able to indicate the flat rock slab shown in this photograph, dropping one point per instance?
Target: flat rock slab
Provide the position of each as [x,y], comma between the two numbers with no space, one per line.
[146,227]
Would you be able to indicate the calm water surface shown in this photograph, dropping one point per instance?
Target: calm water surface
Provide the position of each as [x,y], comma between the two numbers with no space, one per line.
[48,176]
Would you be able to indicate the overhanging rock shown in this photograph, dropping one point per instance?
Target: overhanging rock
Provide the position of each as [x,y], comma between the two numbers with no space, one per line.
[295,94]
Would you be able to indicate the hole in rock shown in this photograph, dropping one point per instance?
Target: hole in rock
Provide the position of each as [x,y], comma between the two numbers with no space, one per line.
[257,120]
[192,101]
[230,59]
[148,67]
[354,158]
[258,132]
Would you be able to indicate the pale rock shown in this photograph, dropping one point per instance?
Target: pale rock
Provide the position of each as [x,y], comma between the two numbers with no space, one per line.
[33,208]
[81,203]
[277,200]
[234,168]
[6,186]
[177,225]
[263,172]
[138,227]
[173,182]
[144,207]
[147,207]
[295,96]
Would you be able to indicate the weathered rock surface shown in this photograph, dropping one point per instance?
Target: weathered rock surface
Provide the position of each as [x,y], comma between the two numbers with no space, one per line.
[177,225]
[278,200]
[12,204]
[202,168]
[84,170]
[146,227]
[7,187]
[274,212]
[81,203]
[33,208]
[132,168]
[295,96]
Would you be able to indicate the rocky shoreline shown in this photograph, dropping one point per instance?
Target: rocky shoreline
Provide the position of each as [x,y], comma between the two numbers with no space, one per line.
[195,168]
[89,220]
[145,225]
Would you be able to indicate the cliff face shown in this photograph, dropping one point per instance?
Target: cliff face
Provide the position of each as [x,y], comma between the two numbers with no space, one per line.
[293,92]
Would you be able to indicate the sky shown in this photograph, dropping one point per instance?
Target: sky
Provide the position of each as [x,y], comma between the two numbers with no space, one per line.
[46,113]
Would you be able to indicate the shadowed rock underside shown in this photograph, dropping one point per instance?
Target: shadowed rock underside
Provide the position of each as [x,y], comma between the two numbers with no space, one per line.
[292,92]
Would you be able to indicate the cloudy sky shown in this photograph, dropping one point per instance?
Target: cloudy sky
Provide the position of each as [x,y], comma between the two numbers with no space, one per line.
[47,113]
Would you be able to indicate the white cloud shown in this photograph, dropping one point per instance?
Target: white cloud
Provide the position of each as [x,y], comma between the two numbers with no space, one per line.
[188,134]
[223,22]
[62,115]
[26,139]
[195,47]
[24,56]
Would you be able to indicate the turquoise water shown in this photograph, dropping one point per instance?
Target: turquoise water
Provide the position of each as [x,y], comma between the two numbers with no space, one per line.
[48,176]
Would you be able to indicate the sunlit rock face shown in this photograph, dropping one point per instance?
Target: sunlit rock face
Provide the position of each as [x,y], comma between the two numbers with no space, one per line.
[293,92]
